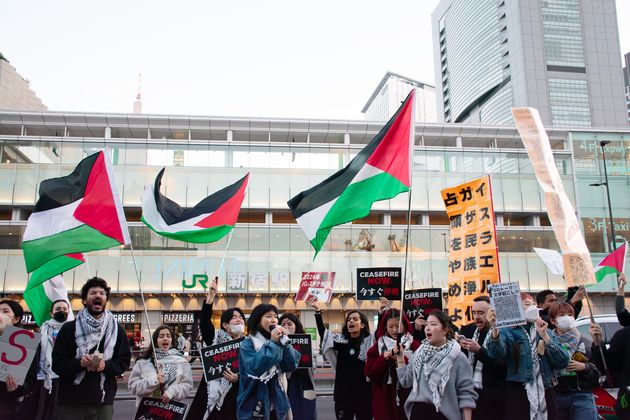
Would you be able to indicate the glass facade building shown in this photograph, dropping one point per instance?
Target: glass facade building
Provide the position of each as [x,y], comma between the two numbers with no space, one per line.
[268,251]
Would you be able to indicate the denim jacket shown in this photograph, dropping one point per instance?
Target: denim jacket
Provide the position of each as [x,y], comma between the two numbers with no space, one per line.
[255,395]
[513,346]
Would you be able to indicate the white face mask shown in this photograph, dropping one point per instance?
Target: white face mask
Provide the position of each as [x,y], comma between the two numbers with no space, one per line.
[565,322]
[237,329]
[531,313]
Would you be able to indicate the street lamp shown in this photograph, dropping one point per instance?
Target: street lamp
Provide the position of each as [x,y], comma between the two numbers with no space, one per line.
[605,183]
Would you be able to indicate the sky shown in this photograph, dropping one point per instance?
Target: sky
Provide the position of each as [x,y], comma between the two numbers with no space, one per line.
[252,58]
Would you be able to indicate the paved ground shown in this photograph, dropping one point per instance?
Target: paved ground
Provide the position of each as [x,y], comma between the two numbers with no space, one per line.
[125,409]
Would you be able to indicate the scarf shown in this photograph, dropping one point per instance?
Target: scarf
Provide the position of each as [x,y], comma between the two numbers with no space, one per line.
[218,388]
[49,331]
[169,362]
[570,340]
[331,338]
[258,340]
[435,364]
[386,343]
[88,335]
[536,389]
[478,366]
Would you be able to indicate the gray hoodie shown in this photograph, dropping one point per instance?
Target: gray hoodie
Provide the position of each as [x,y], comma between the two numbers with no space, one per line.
[459,391]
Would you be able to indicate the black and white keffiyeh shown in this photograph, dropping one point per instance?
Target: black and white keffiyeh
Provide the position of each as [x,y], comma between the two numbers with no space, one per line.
[168,363]
[330,354]
[218,388]
[435,364]
[49,331]
[89,333]
[478,367]
[536,389]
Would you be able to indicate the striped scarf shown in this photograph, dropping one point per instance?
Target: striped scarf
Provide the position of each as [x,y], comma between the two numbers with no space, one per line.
[435,364]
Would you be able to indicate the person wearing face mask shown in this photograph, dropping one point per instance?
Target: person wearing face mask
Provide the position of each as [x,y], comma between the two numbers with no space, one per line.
[301,382]
[532,353]
[263,362]
[438,374]
[388,398]
[170,380]
[45,393]
[346,353]
[11,313]
[574,396]
[88,354]
[217,400]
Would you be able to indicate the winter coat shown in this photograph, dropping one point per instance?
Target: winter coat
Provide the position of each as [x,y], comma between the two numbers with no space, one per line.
[143,381]
[301,393]
[256,395]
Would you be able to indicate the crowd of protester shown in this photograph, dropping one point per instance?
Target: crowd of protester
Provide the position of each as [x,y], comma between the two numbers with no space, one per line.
[425,369]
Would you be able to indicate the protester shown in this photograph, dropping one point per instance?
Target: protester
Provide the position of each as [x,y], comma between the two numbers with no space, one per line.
[11,313]
[622,313]
[170,380]
[88,355]
[546,298]
[264,359]
[301,383]
[574,396]
[343,352]
[439,375]
[532,353]
[388,398]
[218,399]
[618,362]
[187,346]
[181,341]
[488,373]
[44,397]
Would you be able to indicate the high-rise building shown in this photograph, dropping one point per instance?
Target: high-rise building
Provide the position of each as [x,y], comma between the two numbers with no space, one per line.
[558,56]
[626,81]
[392,91]
[15,92]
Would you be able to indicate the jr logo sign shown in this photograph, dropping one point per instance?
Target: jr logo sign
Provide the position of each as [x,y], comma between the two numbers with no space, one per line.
[201,278]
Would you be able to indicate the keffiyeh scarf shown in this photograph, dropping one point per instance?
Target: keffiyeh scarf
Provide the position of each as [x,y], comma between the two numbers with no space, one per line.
[435,364]
[478,367]
[168,362]
[89,333]
[330,354]
[218,388]
[536,389]
[49,331]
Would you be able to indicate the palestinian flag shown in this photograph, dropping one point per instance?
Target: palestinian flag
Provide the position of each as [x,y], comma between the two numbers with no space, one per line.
[41,297]
[210,220]
[77,213]
[380,171]
[613,263]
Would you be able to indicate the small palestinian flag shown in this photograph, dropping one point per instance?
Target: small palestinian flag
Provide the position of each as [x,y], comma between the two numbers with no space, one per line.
[613,263]
[380,171]
[210,220]
[41,297]
[77,213]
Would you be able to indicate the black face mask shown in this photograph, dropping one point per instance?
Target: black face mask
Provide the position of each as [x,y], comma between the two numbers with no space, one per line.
[60,316]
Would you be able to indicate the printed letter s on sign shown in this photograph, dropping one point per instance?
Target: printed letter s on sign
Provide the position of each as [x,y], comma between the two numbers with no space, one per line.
[4,358]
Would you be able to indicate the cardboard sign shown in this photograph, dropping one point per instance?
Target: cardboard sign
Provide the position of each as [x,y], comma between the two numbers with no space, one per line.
[303,344]
[316,284]
[421,302]
[506,301]
[552,259]
[155,409]
[215,359]
[373,283]
[473,255]
[17,350]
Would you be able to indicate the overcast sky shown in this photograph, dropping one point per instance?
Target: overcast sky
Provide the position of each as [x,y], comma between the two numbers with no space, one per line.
[256,58]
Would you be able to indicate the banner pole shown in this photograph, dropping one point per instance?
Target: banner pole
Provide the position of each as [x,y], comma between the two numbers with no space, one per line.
[601,351]
[225,253]
[404,280]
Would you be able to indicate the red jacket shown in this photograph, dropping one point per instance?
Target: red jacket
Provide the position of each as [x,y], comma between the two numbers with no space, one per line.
[388,399]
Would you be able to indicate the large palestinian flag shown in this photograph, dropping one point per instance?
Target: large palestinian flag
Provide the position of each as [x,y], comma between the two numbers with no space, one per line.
[380,171]
[77,213]
[210,220]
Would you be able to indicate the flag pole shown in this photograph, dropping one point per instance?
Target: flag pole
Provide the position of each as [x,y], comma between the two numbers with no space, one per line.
[225,253]
[404,282]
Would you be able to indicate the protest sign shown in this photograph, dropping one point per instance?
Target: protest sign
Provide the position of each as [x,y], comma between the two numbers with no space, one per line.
[215,359]
[317,284]
[17,349]
[506,300]
[155,409]
[303,344]
[373,283]
[473,256]
[552,259]
[421,302]
[578,267]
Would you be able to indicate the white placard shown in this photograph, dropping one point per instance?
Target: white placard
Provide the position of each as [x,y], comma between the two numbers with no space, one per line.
[17,349]
[506,301]
[552,259]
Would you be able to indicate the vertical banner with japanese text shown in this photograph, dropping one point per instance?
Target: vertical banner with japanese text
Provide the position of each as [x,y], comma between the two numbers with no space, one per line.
[578,267]
[473,255]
